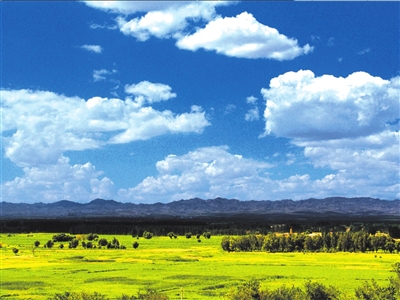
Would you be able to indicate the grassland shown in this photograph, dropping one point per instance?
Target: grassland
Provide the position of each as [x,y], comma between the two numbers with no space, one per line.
[199,270]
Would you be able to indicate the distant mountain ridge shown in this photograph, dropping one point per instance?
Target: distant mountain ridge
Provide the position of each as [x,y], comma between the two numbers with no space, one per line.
[198,207]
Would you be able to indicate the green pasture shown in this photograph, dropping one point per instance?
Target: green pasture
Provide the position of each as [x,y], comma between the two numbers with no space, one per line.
[198,270]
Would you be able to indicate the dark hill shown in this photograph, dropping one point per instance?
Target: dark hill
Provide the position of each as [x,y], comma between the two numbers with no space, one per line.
[204,208]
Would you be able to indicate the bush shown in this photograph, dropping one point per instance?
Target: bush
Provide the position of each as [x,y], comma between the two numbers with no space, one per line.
[147,235]
[62,237]
[188,235]
[73,244]
[371,291]
[49,244]
[102,242]
[135,245]
[92,237]
[318,291]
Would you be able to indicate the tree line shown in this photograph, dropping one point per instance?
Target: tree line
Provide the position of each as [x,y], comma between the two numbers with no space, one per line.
[359,241]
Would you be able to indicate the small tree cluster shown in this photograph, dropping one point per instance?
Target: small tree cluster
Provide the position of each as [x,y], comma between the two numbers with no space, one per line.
[62,237]
[147,235]
[188,235]
[92,237]
[207,234]
[172,235]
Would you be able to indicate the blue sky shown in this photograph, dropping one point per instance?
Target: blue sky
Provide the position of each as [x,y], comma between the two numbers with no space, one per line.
[160,101]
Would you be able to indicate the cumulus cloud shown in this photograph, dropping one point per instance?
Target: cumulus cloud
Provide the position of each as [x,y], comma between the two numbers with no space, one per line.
[215,172]
[48,124]
[348,125]
[151,92]
[166,20]
[204,172]
[93,48]
[243,36]
[58,181]
[302,106]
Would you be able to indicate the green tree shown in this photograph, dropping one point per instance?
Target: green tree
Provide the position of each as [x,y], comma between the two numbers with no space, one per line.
[135,245]
[247,291]
[188,235]
[15,250]
[318,291]
[372,291]
[49,244]
[147,235]
[36,244]
[102,242]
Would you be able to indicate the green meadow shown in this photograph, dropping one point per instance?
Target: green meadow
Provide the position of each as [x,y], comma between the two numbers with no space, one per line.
[180,268]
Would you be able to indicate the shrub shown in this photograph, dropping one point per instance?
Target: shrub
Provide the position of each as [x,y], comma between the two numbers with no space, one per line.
[147,235]
[36,244]
[188,235]
[371,291]
[15,250]
[318,291]
[102,242]
[135,245]
[207,234]
[62,237]
[92,237]
[49,244]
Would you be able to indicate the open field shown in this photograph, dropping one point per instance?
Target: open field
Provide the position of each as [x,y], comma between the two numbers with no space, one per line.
[172,266]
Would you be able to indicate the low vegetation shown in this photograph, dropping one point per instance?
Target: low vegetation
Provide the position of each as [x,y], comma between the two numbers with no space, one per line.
[179,267]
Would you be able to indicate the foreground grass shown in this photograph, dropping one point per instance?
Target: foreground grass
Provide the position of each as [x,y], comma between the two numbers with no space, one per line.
[174,267]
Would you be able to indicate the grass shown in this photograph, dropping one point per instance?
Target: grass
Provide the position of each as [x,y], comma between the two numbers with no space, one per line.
[200,270]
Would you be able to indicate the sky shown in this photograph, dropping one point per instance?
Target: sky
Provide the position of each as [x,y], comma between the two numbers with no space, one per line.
[149,102]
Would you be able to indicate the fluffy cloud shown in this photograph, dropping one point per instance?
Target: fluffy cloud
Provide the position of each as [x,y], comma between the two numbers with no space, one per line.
[243,36]
[345,124]
[93,48]
[167,20]
[58,181]
[152,92]
[214,172]
[205,172]
[48,124]
[331,107]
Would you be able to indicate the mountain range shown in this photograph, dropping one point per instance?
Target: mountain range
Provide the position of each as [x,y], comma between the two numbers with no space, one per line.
[361,206]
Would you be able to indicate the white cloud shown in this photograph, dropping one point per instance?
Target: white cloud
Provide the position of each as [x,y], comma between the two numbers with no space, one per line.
[343,124]
[48,124]
[131,7]
[58,181]
[100,75]
[205,172]
[166,20]
[243,36]
[151,92]
[305,107]
[253,113]
[214,172]
[93,48]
